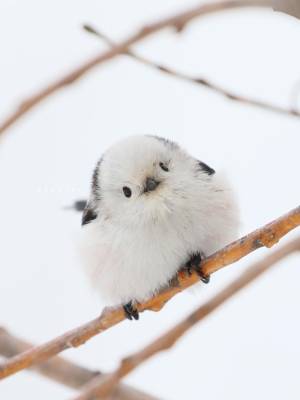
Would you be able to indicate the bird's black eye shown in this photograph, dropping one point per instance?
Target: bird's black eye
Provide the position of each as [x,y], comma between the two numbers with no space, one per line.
[127,191]
[163,167]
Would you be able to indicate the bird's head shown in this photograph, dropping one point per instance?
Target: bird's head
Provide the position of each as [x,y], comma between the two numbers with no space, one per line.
[144,179]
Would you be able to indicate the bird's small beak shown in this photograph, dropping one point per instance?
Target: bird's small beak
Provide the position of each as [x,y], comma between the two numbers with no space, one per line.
[151,184]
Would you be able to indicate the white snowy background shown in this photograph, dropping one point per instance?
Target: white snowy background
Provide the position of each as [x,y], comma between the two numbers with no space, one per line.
[250,347]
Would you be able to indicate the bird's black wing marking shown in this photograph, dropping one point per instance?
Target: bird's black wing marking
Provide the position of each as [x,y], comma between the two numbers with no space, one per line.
[91,209]
[89,214]
[95,181]
[206,168]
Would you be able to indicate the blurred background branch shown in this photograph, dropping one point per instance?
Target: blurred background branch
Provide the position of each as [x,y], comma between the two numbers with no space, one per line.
[196,80]
[64,371]
[177,22]
[291,7]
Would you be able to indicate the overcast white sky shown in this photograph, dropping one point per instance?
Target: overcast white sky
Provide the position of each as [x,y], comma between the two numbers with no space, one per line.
[249,348]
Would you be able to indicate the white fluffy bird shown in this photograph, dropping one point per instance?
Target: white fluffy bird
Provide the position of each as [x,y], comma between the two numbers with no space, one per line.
[153,209]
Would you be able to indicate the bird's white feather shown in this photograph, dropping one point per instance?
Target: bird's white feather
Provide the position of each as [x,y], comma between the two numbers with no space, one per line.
[136,245]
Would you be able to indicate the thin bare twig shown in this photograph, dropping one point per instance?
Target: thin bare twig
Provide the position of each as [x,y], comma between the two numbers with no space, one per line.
[64,371]
[57,368]
[101,387]
[266,236]
[178,21]
[291,7]
[200,81]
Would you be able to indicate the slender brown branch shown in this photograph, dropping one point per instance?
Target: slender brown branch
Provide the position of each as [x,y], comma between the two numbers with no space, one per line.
[101,387]
[199,81]
[64,371]
[291,7]
[177,21]
[266,236]
[57,368]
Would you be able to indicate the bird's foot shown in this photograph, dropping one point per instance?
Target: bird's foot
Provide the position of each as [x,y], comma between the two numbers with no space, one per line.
[194,264]
[131,311]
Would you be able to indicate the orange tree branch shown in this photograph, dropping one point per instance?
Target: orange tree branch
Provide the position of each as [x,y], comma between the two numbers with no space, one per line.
[101,387]
[177,21]
[63,371]
[199,81]
[267,236]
